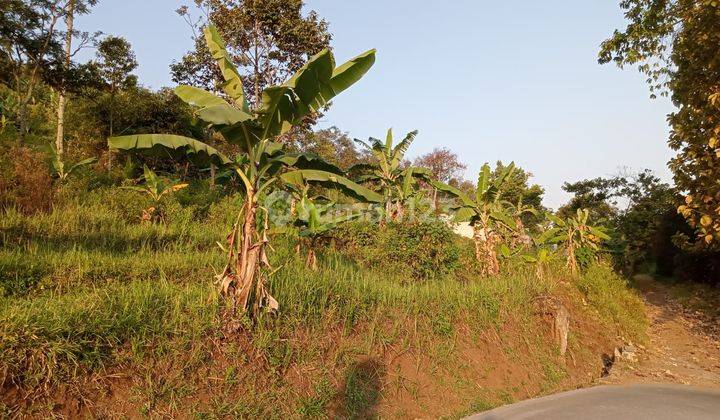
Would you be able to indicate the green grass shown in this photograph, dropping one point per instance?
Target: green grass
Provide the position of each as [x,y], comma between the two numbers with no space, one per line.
[88,287]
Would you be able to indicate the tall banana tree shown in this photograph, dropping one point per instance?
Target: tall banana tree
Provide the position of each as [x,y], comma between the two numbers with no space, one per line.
[573,233]
[262,161]
[486,214]
[388,173]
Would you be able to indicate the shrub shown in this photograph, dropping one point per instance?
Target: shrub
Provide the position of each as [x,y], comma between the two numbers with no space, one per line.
[25,181]
[420,250]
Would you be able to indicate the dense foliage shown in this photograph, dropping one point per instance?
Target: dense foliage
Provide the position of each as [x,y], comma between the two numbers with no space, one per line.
[675,43]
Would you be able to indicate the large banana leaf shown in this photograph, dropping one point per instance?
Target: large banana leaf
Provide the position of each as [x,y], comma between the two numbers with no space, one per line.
[464,199]
[198,97]
[308,90]
[504,219]
[223,115]
[309,161]
[170,145]
[483,184]
[303,176]
[345,76]
[233,83]
[284,105]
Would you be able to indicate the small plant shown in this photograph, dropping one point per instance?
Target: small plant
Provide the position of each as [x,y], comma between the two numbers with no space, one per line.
[58,165]
[156,188]
[315,221]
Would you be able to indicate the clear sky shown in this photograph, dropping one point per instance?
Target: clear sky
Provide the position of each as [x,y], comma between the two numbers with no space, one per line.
[509,80]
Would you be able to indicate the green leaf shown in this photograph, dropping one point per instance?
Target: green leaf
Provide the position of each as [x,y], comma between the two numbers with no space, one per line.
[222,115]
[198,97]
[465,214]
[169,145]
[345,76]
[303,176]
[308,90]
[599,233]
[399,152]
[233,83]
[483,184]
[503,218]
[466,201]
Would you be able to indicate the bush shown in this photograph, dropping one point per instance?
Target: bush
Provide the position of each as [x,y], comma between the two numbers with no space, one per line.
[421,250]
[25,181]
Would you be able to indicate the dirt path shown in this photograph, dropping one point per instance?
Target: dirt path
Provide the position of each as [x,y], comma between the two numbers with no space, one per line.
[684,345]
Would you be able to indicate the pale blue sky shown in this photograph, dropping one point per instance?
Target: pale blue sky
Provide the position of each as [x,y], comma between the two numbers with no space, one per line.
[510,80]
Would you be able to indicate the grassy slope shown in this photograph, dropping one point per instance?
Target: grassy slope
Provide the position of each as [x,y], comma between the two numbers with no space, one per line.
[100,307]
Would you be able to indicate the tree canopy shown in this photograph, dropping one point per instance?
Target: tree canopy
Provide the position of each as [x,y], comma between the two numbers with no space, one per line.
[675,43]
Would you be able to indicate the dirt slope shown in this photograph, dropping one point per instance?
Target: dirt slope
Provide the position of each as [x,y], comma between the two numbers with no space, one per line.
[684,345]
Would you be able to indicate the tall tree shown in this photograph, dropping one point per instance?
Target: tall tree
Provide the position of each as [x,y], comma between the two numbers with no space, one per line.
[29,44]
[116,61]
[74,7]
[443,164]
[332,145]
[675,43]
[267,40]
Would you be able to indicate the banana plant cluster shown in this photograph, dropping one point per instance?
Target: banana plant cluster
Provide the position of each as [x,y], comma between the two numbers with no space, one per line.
[262,162]
[574,232]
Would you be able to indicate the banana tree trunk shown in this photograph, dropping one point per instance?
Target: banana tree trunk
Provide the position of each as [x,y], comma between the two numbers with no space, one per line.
[485,252]
[311,261]
[571,261]
[243,281]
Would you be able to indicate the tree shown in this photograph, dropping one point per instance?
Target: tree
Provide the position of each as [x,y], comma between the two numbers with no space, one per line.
[29,43]
[486,214]
[675,43]
[332,145]
[634,225]
[267,40]
[595,195]
[443,165]
[74,7]
[116,61]
[263,162]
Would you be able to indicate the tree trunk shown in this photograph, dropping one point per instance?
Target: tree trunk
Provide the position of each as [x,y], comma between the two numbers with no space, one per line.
[62,100]
[245,287]
[485,251]
[571,262]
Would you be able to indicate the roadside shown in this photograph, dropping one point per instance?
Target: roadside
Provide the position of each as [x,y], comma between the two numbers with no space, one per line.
[683,346]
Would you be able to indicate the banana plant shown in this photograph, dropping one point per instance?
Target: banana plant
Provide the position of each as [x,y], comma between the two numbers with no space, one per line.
[521,238]
[541,258]
[573,233]
[394,181]
[314,221]
[58,165]
[262,160]
[156,188]
[485,212]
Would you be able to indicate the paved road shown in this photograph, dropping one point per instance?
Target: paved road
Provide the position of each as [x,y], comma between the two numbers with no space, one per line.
[656,402]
